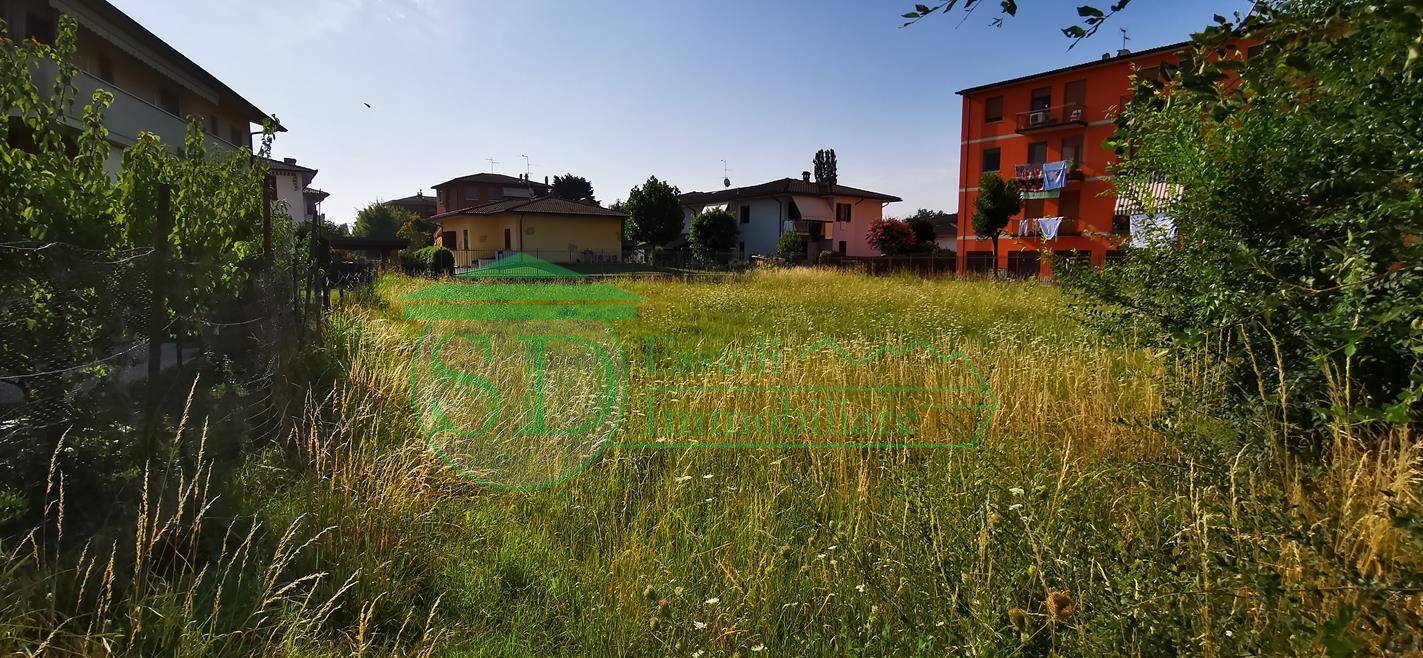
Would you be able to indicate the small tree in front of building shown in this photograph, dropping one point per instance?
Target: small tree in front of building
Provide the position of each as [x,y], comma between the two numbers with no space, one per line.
[380,220]
[998,200]
[922,223]
[713,235]
[892,237]
[655,213]
[419,231]
[790,247]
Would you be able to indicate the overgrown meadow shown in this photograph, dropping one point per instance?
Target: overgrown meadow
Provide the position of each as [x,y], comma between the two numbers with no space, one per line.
[1095,518]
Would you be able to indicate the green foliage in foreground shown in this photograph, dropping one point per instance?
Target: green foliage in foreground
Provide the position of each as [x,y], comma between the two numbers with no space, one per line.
[1298,218]
[1093,521]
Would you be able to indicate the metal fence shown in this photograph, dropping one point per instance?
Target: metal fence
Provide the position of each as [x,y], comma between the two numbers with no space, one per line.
[102,350]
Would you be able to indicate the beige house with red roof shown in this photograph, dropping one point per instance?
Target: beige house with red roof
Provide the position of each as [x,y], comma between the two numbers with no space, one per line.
[555,230]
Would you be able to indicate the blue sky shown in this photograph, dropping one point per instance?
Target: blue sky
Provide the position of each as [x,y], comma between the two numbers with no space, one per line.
[622,89]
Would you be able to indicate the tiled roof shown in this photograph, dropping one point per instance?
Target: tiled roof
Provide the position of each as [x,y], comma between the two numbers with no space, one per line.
[414,200]
[495,179]
[545,205]
[279,165]
[1154,195]
[782,186]
[311,191]
[946,225]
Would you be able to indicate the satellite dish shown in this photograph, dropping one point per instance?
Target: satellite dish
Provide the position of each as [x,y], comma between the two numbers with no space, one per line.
[726,182]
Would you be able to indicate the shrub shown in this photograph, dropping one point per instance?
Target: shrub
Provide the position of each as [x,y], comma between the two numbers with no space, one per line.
[891,237]
[428,261]
[790,247]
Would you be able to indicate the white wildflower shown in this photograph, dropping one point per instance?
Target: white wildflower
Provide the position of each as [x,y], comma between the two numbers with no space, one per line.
[713,601]
[1016,491]
[701,625]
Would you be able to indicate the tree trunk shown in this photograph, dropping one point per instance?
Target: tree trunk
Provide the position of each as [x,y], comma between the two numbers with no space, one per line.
[995,255]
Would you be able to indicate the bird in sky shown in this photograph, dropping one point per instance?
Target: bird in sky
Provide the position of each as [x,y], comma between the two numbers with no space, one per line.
[368,105]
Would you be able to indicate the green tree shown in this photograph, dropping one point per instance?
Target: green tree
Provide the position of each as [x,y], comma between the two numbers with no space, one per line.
[573,188]
[998,200]
[826,167]
[655,213]
[420,232]
[1297,214]
[380,220]
[790,247]
[713,234]
[922,223]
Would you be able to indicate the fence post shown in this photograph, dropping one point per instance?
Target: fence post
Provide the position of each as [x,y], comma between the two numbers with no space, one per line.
[269,195]
[157,313]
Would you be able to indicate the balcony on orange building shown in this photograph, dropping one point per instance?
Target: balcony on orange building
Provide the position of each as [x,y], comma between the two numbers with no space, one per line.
[1067,115]
[1030,176]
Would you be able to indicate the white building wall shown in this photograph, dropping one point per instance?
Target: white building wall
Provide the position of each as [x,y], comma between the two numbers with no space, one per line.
[289,194]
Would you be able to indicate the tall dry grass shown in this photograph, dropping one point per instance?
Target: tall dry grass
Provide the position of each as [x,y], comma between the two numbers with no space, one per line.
[1099,516]
[175,578]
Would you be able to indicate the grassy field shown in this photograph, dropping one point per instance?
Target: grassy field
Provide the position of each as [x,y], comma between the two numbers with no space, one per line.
[1095,518]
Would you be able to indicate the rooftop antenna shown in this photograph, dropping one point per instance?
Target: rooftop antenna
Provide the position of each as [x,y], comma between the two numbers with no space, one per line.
[491,162]
[528,168]
[725,175]
[1125,38]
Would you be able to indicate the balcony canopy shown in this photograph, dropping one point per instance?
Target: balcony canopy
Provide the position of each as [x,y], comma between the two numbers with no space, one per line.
[814,209]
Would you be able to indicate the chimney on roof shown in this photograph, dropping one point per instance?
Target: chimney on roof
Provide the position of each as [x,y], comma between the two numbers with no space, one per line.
[1106,55]
[1124,52]
[545,179]
[290,161]
[805,176]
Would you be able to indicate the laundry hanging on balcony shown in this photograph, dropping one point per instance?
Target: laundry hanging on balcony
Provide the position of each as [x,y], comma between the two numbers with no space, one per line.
[1048,226]
[1055,175]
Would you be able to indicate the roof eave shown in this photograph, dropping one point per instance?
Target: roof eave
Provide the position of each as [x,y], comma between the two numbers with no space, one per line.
[1076,67]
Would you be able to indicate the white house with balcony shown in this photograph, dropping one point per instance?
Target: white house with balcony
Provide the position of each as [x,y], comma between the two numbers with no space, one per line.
[833,218]
[295,195]
[156,88]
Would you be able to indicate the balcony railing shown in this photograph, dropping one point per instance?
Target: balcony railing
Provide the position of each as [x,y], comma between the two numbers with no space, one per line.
[1028,228]
[1030,176]
[1067,114]
[128,115]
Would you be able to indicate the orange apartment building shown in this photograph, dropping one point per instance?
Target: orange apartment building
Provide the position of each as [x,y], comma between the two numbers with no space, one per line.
[1016,127]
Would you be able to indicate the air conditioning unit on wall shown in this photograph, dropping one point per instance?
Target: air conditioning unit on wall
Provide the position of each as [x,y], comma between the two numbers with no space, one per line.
[1039,118]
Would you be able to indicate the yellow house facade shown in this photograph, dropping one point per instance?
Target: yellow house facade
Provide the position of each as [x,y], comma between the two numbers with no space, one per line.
[555,230]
